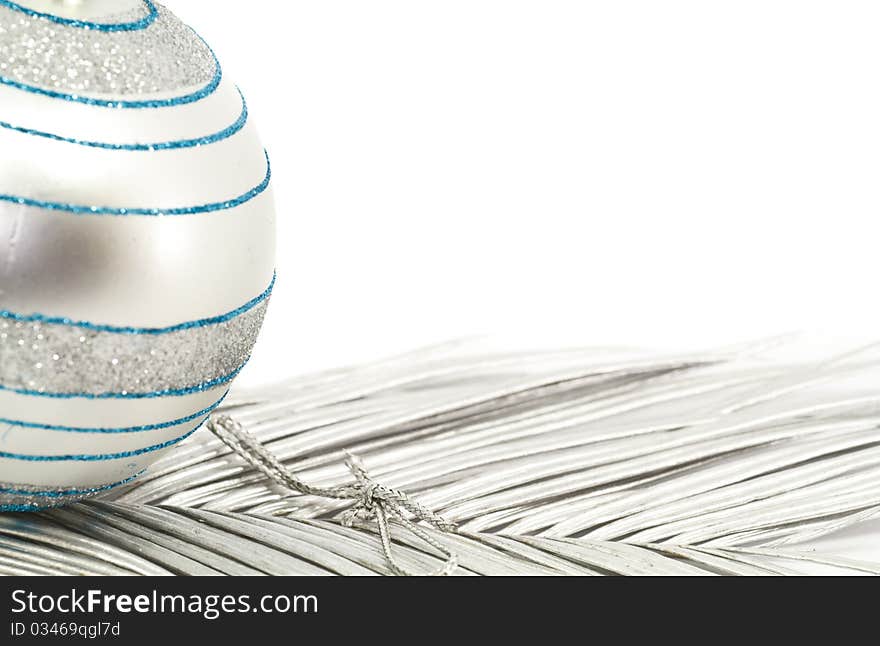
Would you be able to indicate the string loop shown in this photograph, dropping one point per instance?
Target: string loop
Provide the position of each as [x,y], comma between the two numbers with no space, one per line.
[373,500]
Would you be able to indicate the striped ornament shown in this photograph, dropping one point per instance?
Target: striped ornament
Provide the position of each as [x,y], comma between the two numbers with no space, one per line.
[136,243]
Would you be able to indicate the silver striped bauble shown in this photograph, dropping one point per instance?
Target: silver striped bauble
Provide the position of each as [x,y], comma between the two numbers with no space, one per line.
[136,242]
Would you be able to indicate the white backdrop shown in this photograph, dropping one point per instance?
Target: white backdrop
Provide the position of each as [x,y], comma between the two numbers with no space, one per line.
[674,174]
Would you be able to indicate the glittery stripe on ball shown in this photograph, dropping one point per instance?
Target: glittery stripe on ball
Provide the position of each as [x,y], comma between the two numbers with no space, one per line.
[98,457]
[129,21]
[42,357]
[84,209]
[21,497]
[174,144]
[113,430]
[59,59]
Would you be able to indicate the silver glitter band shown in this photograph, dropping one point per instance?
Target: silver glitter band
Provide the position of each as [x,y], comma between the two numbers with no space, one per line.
[37,52]
[36,502]
[48,358]
[22,497]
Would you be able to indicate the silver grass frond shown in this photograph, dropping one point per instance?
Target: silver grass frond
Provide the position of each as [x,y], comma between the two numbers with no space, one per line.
[580,462]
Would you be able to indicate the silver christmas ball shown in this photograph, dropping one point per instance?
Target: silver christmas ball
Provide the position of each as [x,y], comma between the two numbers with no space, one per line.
[136,242]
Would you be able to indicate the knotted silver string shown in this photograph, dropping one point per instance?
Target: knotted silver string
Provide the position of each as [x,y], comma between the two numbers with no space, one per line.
[372,500]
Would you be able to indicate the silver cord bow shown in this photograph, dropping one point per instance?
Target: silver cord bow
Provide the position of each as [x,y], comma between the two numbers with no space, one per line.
[372,499]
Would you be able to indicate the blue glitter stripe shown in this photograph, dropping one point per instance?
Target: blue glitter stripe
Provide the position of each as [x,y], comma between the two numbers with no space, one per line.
[101,457]
[24,508]
[64,493]
[124,429]
[198,95]
[105,210]
[143,23]
[226,133]
[154,331]
[169,392]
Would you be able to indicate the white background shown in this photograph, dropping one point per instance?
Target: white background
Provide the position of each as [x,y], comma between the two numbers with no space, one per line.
[671,174]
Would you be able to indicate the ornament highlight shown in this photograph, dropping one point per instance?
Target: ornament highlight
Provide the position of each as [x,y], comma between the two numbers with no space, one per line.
[136,242]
